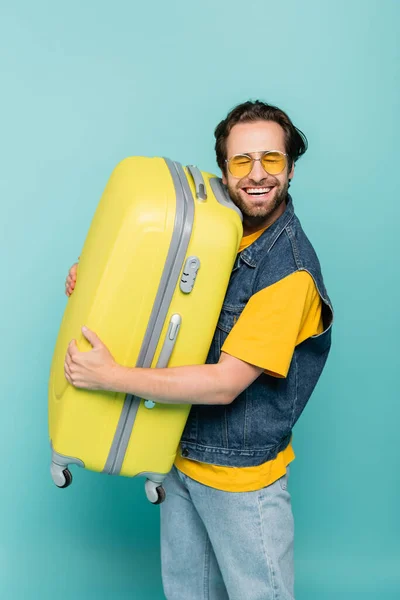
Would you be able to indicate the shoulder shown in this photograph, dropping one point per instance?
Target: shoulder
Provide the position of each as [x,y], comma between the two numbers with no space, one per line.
[302,248]
[290,250]
[294,287]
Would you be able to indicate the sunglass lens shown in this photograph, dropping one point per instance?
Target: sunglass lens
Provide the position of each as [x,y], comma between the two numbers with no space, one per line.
[240,165]
[274,162]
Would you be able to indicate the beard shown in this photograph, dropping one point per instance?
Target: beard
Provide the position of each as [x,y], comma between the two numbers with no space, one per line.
[259,213]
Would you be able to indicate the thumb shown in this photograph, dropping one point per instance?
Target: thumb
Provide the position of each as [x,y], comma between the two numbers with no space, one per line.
[92,337]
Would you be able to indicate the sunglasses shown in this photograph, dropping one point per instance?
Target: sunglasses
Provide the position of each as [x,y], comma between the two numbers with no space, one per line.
[272,161]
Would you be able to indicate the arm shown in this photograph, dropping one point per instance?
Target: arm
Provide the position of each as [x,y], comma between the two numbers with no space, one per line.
[199,384]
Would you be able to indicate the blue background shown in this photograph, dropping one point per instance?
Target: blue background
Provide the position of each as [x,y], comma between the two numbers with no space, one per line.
[85,84]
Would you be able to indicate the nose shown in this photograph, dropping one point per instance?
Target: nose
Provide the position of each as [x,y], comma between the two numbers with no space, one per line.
[257,173]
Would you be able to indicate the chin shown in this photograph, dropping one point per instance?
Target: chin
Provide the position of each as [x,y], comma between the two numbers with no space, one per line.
[251,209]
[255,214]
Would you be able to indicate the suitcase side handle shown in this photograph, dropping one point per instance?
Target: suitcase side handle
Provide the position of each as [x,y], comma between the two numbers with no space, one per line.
[199,184]
[166,350]
[169,342]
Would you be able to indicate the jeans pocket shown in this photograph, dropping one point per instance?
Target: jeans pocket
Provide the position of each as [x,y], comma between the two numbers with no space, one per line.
[284,480]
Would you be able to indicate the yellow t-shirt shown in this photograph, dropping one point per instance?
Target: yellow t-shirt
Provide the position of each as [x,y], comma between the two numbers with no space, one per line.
[273,323]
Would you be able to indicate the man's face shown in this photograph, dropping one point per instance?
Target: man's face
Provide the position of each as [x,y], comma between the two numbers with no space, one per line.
[260,196]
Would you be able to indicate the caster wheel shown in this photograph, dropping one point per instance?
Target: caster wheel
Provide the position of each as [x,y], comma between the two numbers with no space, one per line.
[155,492]
[68,479]
[161,495]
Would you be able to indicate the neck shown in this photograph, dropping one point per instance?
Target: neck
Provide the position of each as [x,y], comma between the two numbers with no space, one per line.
[253,224]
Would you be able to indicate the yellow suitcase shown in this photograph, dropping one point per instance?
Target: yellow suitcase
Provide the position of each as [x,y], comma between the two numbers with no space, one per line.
[152,278]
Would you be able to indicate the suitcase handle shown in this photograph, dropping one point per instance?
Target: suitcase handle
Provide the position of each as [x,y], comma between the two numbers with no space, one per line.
[199,184]
[166,350]
[169,342]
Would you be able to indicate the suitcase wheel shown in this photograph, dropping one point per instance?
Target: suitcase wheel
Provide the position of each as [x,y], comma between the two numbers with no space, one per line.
[68,478]
[161,495]
[61,477]
[154,491]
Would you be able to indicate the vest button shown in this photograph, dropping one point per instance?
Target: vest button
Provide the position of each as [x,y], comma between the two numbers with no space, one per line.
[185,452]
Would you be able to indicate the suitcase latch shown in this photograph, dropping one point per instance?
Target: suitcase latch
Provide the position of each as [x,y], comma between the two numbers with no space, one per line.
[189,274]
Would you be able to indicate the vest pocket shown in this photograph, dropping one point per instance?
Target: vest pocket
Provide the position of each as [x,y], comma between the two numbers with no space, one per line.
[228,317]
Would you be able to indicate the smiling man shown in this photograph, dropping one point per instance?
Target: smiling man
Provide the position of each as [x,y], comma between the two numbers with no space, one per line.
[227,524]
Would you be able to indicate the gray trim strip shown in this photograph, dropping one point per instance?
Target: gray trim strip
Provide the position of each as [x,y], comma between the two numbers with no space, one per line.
[156,477]
[63,460]
[119,432]
[179,244]
[122,442]
[184,217]
[222,196]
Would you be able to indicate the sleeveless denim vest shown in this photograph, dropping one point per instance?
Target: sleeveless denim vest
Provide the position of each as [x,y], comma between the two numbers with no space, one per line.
[258,424]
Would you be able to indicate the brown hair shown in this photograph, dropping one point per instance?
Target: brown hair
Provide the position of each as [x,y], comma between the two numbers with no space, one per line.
[295,141]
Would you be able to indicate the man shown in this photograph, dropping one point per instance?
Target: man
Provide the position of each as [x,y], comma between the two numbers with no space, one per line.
[227,524]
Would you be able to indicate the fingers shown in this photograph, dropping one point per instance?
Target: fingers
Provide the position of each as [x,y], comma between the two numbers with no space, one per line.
[72,352]
[91,337]
[74,376]
[69,366]
[73,272]
[67,372]
[70,281]
[69,286]
[68,361]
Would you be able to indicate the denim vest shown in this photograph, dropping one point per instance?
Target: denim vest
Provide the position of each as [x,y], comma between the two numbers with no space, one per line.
[258,424]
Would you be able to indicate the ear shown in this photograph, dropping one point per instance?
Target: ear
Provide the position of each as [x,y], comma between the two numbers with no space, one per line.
[291,174]
[224,179]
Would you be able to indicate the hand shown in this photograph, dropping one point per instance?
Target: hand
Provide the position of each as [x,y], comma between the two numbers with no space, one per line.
[89,370]
[71,279]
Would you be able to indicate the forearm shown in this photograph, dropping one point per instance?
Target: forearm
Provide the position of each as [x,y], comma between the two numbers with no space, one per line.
[199,384]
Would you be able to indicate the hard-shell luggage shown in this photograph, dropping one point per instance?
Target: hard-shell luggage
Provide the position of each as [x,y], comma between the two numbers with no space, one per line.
[151,281]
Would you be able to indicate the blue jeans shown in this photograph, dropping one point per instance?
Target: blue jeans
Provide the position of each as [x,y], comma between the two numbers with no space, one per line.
[226,546]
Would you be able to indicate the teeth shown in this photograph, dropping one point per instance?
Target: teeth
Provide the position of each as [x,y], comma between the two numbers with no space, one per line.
[258,190]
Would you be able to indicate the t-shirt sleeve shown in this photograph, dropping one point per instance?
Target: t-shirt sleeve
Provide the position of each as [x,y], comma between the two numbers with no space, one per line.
[274,321]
